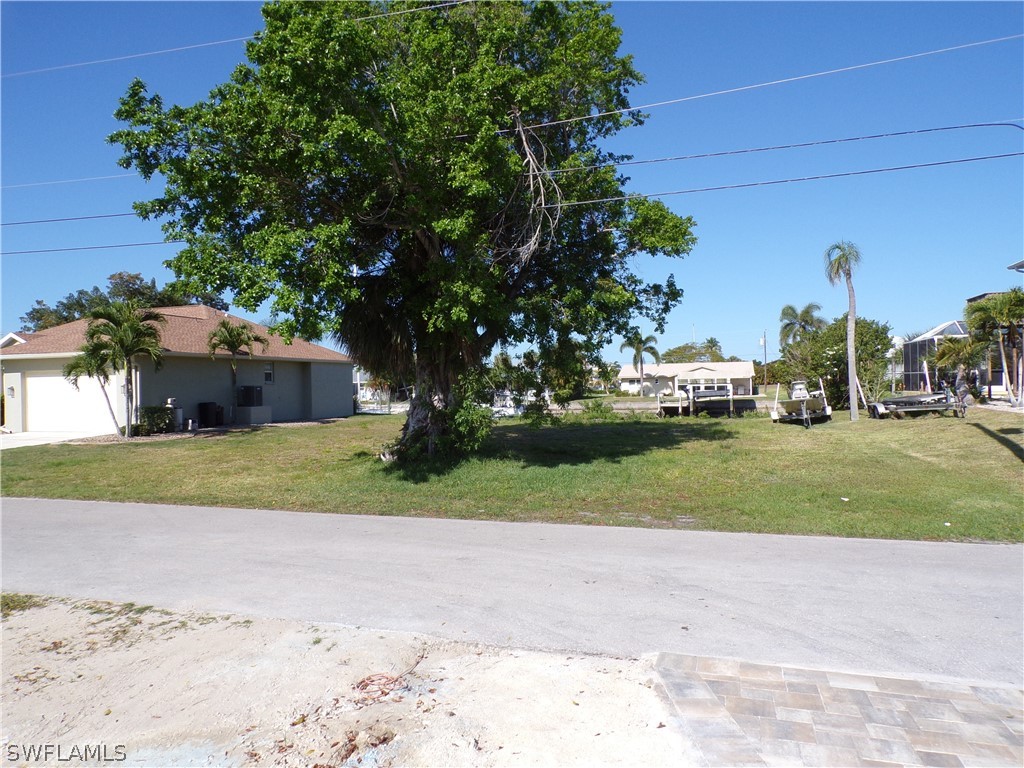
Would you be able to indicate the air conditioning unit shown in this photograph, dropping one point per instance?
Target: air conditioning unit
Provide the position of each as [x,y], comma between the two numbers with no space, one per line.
[250,397]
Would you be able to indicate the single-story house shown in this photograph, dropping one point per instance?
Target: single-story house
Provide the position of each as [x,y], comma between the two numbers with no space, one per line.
[673,379]
[284,382]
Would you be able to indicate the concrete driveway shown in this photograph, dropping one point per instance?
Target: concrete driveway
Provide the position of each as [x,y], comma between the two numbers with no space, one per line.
[22,439]
[889,607]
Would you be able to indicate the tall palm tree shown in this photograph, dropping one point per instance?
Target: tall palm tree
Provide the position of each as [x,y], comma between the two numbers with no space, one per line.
[234,339]
[1001,314]
[797,324]
[641,346]
[840,260]
[93,362]
[117,334]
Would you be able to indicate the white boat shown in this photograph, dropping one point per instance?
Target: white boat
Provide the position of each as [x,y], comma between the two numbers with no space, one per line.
[803,405]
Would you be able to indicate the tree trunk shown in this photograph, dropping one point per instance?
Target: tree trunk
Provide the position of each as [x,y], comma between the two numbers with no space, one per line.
[1006,373]
[110,407]
[851,351]
[429,420]
[128,397]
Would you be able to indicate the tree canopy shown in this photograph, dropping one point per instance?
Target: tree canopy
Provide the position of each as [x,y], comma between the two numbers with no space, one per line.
[121,286]
[795,323]
[419,186]
[823,353]
[709,350]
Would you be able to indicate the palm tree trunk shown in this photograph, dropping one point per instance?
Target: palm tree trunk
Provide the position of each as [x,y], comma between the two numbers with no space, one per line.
[128,393]
[641,375]
[110,408]
[1006,373]
[851,352]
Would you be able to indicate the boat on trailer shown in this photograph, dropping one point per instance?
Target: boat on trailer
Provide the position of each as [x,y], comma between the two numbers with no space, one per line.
[803,406]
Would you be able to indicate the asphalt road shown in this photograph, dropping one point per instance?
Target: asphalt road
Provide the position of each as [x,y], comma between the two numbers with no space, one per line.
[885,607]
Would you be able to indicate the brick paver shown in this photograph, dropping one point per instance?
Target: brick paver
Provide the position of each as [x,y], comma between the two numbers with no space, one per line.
[738,714]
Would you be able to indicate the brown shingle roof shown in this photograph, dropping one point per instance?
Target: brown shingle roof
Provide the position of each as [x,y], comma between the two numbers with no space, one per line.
[185,333]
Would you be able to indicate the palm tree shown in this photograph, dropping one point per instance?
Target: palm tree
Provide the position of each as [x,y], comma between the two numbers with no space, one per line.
[117,334]
[92,361]
[797,324]
[953,352]
[840,260]
[234,339]
[641,346]
[994,315]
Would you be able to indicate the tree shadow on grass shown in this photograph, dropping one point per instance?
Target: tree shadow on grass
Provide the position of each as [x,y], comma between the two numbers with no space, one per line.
[1000,437]
[559,445]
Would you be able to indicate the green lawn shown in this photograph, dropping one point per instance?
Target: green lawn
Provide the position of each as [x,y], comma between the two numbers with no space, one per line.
[902,479]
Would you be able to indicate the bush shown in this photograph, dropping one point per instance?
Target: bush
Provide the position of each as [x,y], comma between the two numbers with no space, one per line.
[593,410]
[154,420]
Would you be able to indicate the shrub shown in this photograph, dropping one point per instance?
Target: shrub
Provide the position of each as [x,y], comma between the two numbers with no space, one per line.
[154,420]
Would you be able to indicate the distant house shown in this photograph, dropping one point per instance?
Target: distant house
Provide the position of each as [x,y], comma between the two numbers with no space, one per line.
[922,348]
[284,382]
[677,378]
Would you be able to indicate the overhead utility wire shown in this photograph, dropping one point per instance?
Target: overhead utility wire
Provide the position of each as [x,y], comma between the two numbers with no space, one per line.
[724,153]
[69,218]
[89,248]
[822,142]
[788,181]
[614,199]
[742,88]
[215,42]
[68,181]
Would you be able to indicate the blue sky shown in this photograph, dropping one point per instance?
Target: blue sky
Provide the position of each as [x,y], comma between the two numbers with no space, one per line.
[930,237]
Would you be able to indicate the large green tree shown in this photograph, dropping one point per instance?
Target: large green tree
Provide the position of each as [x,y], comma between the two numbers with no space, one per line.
[420,185]
[823,354]
[840,260]
[708,350]
[121,286]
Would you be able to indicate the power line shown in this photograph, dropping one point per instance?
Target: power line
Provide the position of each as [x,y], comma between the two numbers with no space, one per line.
[771,82]
[215,42]
[68,181]
[621,198]
[69,218]
[724,153]
[786,181]
[822,142]
[89,248]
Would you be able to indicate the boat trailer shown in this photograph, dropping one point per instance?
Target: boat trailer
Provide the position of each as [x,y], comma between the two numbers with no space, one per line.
[936,402]
[803,406]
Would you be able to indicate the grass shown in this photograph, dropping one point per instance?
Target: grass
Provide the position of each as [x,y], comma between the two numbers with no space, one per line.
[15,602]
[904,479]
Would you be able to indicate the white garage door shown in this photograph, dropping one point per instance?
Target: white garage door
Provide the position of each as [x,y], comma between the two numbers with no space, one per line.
[53,405]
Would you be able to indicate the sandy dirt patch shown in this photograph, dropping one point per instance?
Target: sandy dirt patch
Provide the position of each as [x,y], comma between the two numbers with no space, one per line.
[167,688]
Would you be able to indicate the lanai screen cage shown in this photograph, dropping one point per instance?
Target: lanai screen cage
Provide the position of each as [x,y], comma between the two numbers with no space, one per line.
[918,351]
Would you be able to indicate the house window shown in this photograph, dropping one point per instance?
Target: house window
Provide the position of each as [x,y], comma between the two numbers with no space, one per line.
[268,373]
